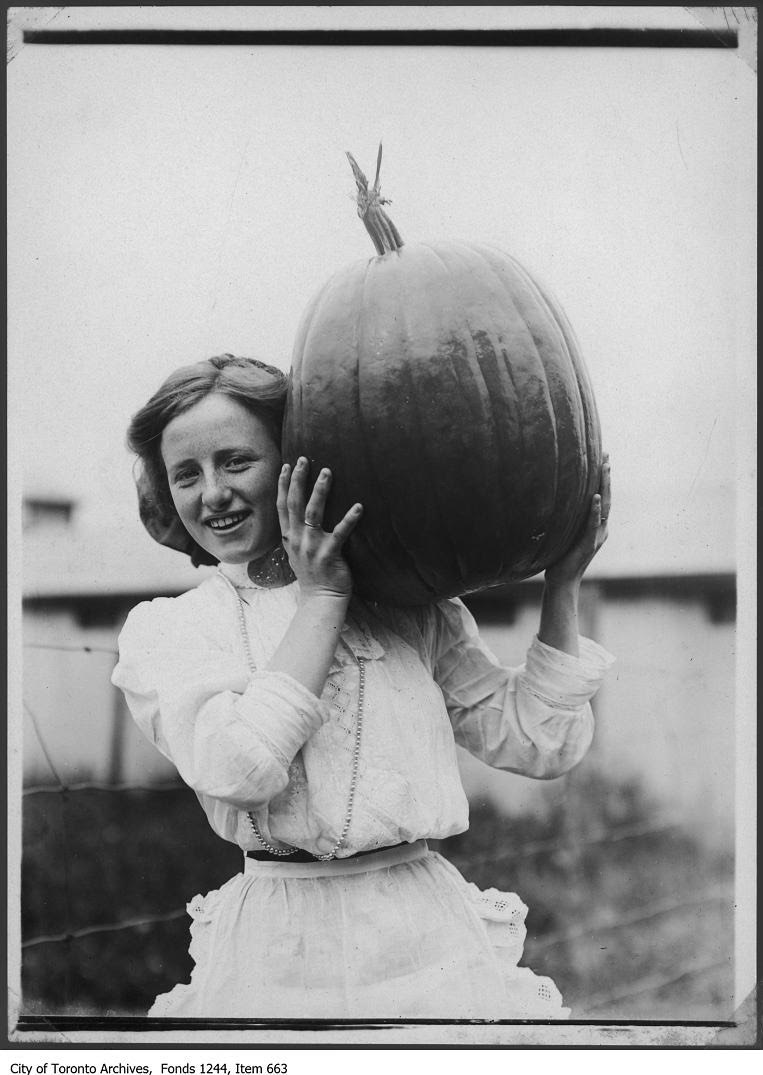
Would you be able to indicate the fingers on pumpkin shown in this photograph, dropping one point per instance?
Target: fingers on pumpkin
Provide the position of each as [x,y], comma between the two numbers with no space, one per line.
[295,497]
[597,523]
[316,505]
[346,525]
[281,505]
[605,487]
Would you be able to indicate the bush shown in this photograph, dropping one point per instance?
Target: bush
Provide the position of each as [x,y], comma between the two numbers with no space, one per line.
[631,917]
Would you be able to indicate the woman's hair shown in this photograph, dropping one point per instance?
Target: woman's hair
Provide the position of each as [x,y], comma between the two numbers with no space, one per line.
[259,387]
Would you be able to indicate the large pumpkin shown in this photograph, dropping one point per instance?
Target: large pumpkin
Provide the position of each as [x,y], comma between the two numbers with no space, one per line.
[445,389]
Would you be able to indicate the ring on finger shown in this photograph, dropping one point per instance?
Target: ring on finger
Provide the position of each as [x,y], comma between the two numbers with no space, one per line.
[313,526]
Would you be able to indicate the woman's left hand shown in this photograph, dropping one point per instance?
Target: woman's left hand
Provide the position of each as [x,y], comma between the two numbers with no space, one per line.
[571,567]
[315,555]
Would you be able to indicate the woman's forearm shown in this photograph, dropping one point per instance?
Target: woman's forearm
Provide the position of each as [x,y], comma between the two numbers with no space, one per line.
[559,617]
[308,646]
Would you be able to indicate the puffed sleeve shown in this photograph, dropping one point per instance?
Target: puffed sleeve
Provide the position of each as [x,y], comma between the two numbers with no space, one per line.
[230,734]
[535,719]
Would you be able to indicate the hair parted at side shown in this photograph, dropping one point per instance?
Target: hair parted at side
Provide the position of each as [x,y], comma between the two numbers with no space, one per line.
[256,385]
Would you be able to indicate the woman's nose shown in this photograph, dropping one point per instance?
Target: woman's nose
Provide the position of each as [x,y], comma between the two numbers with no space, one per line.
[215,493]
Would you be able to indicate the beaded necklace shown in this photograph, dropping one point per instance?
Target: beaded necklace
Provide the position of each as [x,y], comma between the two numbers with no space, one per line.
[280,851]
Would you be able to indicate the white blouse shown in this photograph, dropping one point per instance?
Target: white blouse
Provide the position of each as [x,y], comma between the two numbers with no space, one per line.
[264,743]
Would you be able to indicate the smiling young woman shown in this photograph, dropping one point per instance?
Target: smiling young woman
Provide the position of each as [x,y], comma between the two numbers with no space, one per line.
[222,466]
[259,390]
[319,731]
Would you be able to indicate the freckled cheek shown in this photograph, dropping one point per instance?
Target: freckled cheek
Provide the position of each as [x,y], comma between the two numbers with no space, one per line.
[266,493]
[184,507]
[264,505]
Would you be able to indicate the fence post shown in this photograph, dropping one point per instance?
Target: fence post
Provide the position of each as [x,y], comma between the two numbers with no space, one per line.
[116,754]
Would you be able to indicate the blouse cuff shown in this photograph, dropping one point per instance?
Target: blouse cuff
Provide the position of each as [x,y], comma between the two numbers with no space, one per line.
[563,679]
[284,712]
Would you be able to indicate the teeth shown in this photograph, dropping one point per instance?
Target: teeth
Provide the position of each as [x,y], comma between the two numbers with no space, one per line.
[229,520]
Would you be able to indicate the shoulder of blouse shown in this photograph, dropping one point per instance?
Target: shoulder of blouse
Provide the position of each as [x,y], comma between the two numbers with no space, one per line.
[410,622]
[453,622]
[194,608]
[428,629]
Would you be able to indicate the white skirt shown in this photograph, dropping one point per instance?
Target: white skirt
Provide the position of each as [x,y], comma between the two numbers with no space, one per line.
[399,934]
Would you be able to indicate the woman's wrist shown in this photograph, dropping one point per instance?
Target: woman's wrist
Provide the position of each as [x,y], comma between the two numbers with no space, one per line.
[561,589]
[330,604]
[559,616]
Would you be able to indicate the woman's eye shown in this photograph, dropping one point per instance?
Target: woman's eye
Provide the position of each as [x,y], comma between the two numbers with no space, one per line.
[184,477]
[236,462]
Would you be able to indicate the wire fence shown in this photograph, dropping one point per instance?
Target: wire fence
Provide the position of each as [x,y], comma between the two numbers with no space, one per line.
[111,927]
[715,894]
[651,983]
[596,925]
[95,785]
[63,648]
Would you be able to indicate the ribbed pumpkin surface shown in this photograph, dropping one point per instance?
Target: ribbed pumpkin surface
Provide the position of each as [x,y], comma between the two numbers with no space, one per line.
[445,390]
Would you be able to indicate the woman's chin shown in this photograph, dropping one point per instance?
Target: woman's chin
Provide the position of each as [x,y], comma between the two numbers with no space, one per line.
[239,552]
[232,558]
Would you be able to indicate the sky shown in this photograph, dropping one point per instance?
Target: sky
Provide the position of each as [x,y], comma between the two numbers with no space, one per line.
[170,203]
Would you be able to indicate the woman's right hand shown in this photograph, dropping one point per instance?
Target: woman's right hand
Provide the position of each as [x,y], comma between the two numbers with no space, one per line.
[315,555]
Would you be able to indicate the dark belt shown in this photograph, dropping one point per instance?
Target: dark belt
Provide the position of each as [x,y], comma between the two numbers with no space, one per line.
[305,856]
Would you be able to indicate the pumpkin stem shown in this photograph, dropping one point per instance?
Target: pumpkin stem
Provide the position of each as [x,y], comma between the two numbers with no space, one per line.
[383,232]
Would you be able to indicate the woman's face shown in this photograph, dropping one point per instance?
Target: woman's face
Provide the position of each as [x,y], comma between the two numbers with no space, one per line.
[222,468]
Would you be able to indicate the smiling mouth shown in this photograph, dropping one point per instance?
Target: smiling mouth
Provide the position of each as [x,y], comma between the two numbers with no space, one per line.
[224,523]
